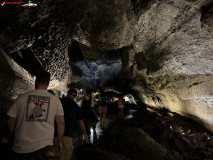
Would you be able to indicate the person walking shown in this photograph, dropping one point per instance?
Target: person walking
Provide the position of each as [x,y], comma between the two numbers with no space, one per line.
[73,119]
[93,102]
[79,98]
[102,108]
[86,109]
[94,119]
[31,121]
[120,106]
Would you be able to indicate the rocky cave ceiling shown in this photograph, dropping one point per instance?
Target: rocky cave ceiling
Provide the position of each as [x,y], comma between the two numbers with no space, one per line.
[161,49]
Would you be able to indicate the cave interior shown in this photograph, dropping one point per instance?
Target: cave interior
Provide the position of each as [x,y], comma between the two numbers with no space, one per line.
[157,53]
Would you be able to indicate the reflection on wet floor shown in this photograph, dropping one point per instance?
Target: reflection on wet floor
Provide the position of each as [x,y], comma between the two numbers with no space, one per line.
[130,116]
[96,130]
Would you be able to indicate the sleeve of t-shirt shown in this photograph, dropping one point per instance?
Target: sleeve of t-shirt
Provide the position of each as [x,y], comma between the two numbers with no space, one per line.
[13,111]
[60,110]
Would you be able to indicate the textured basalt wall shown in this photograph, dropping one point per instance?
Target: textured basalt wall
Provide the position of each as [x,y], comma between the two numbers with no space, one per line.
[171,62]
[166,46]
[14,81]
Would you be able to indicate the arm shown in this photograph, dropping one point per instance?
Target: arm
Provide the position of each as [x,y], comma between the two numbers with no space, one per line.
[82,127]
[11,121]
[60,129]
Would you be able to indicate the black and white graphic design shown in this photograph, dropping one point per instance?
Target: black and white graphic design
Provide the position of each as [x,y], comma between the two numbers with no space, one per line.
[37,108]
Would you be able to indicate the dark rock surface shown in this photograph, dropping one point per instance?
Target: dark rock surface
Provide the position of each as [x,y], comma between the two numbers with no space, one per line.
[89,151]
[166,136]
[165,47]
[14,81]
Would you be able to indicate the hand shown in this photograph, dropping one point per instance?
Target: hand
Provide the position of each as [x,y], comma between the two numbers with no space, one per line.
[87,139]
[60,147]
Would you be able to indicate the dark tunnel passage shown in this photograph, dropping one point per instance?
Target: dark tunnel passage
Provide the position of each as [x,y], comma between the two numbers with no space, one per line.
[152,60]
[98,69]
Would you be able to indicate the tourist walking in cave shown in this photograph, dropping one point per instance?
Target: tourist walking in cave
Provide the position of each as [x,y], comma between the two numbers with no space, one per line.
[102,108]
[120,103]
[93,102]
[31,121]
[73,119]
[79,97]
[86,109]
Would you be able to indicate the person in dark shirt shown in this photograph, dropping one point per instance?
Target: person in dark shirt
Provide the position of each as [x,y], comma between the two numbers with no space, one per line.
[72,117]
[86,109]
[102,108]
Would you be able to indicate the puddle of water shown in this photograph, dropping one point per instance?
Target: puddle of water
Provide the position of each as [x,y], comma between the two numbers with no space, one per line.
[130,116]
[96,131]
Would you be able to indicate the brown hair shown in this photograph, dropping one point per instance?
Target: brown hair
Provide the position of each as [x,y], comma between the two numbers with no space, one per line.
[42,77]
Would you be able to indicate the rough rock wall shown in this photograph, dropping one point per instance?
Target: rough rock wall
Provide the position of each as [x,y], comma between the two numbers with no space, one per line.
[105,25]
[42,32]
[47,31]
[169,59]
[14,81]
[170,52]
[172,58]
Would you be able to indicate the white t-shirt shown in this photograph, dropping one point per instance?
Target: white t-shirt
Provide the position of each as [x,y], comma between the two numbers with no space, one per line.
[35,112]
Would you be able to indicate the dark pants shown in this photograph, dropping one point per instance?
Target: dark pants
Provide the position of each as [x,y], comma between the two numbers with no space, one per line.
[87,124]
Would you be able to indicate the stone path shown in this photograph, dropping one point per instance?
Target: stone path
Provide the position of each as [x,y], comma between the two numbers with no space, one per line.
[96,131]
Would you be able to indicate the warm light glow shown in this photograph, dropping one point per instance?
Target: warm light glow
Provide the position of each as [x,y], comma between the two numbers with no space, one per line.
[96,93]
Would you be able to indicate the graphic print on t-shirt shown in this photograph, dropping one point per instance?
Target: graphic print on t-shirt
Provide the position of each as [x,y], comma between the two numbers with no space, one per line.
[37,108]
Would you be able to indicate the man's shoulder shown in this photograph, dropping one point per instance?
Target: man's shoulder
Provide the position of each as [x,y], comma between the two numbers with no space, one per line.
[37,93]
[67,101]
[64,99]
[33,92]
[26,94]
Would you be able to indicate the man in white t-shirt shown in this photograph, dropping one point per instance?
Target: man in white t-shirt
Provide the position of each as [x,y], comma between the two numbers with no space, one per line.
[31,121]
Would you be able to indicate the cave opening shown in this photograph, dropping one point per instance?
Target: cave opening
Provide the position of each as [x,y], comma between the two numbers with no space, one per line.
[97,70]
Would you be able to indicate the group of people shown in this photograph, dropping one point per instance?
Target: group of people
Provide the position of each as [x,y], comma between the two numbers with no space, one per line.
[72,117]
[88,115]
[42,123]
